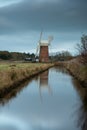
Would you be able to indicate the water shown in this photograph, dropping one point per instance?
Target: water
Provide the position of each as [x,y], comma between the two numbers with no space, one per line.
[50,101]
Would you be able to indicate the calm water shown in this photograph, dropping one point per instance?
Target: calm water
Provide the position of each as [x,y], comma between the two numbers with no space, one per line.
[51,101]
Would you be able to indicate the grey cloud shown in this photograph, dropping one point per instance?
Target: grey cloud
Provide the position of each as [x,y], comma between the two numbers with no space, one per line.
[4,3]
[59,15]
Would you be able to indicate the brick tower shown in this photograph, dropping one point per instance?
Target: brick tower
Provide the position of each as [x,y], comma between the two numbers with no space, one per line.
[44,52]
[43,49]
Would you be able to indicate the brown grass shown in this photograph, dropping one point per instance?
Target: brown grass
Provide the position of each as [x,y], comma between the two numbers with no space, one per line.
[11,74]
[78,70]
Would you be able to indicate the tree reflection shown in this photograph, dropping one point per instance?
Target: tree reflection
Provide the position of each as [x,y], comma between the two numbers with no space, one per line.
[82,122]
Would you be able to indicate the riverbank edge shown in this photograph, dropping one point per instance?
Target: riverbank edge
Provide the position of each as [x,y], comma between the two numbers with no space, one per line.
[76,70]
[6,89]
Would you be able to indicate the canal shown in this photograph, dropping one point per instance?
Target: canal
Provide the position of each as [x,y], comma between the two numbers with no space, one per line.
[53,100]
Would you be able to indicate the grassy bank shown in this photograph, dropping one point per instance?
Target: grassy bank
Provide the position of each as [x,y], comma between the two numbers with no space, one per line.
[12,75]
[78,70]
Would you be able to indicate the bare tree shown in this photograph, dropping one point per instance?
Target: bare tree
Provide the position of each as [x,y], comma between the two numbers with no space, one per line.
[82,48]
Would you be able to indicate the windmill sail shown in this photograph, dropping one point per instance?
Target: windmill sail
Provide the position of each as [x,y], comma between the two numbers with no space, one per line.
[50,38]
[38,47]
[37,50]
[40,38]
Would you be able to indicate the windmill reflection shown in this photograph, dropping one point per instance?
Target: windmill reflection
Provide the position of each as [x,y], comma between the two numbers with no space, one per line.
[43,81]
[82,121]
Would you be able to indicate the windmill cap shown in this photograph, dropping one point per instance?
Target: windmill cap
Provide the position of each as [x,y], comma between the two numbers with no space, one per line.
[44,43]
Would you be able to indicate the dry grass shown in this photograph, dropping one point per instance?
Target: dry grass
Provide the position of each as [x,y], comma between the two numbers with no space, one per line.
[78,70]
[11,74]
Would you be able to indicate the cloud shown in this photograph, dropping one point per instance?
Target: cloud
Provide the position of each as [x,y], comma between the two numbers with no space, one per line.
[57,15]
[8,2]
[20,42]
[65,19]
[27,42]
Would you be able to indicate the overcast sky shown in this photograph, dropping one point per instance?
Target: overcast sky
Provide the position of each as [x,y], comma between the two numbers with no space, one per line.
[21,22]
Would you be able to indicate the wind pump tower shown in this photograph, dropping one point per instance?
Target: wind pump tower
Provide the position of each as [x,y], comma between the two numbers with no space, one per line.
[43,49]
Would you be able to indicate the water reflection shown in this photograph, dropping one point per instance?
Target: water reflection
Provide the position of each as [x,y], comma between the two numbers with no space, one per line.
[43,84]
[43,80]
[60,69]
[12,93]
[7,122]
[82,93]
[82,111]
[32,108]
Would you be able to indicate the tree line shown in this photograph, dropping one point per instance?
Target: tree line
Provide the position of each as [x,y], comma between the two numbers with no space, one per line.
[82,49]
[6,55]
[61,56]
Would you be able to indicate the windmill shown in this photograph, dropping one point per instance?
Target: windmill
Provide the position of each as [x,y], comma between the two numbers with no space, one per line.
[43,49]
